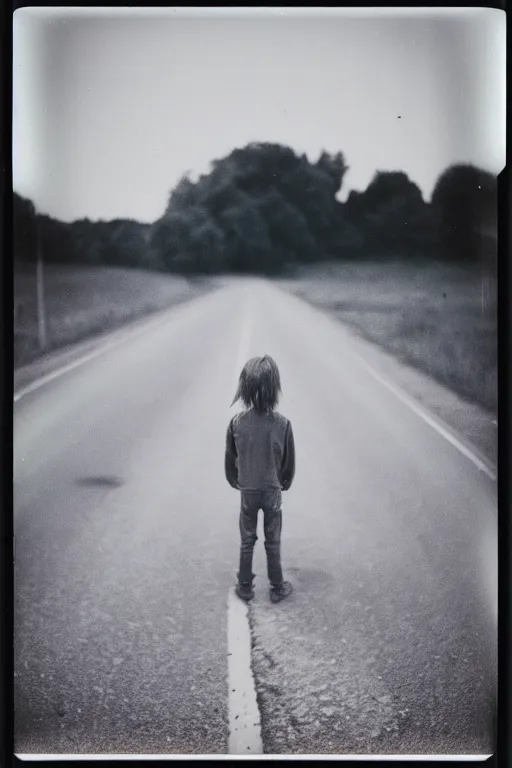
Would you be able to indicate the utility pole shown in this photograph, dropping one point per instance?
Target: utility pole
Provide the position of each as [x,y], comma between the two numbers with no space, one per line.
[41,316]
[483,275]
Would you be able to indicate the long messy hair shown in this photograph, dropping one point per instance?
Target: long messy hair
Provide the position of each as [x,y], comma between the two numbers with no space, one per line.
[259,385]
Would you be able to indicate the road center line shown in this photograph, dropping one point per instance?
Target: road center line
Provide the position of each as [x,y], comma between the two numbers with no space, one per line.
[243,713]
[244,343]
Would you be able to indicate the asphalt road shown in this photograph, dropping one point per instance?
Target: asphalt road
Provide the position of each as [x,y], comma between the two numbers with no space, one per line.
[127,543]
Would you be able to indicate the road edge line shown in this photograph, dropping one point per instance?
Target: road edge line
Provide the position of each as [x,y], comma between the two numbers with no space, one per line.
[37,383]
[115,338]
[442,428]
[432,421]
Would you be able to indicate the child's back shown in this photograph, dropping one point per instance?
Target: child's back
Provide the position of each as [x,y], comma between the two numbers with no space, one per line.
[260,462]
[264,450]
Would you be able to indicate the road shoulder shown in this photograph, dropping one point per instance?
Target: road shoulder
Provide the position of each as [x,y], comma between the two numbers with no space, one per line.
[476,425]
[71,354]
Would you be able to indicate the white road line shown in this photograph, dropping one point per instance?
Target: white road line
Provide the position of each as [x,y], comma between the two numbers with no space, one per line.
[244,343]
[430,420]
[166,757]
[105,347]
[243,713]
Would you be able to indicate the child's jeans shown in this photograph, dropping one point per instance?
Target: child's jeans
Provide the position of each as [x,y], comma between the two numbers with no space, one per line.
[270,502]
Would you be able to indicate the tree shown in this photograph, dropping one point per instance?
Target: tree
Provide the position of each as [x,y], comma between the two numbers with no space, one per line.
[248,244]
[391,215]
[288,229]
[263,207]
[124,244]
[271,206]
[334,168]
[57,242]
[170,241]
[312,191]
[464,203]
[207,248]
[259,166]
[216,198]
[187,242]
[183,195]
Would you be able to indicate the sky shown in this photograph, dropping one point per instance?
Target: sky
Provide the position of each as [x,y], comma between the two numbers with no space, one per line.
[112,107]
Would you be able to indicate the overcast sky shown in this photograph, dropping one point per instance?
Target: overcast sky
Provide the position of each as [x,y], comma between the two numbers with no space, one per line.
[110,110]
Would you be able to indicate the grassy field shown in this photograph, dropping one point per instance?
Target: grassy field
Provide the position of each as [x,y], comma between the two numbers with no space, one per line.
[435,317]
[83,301]
[439,318]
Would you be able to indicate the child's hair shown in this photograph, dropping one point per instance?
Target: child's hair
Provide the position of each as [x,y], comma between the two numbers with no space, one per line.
[259,384]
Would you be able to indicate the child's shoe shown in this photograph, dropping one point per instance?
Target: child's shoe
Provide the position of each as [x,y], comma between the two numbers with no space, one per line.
[280,593]
[244,591]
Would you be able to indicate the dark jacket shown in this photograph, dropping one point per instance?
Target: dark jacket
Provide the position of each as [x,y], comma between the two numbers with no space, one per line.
[260,451]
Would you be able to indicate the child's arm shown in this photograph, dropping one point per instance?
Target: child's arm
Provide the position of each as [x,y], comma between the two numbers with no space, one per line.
[288,463]
[230,458]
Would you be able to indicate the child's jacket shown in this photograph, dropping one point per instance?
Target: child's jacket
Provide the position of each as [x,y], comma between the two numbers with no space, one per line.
[260,451]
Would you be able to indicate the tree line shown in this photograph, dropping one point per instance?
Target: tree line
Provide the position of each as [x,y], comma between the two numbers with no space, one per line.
[265,209]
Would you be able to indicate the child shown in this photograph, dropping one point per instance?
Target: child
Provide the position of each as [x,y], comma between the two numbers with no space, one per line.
[260,462]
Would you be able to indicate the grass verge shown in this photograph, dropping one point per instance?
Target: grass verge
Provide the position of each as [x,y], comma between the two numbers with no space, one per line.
[83,301]
[440,318]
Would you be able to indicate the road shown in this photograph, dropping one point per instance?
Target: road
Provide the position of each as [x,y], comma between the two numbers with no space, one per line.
[127,542]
